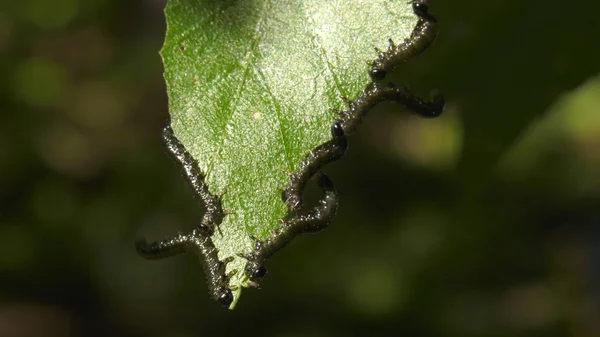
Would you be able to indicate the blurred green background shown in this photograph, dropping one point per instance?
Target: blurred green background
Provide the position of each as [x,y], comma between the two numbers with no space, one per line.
[484,222]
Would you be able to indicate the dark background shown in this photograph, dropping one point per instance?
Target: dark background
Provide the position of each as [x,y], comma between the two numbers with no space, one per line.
[484,222]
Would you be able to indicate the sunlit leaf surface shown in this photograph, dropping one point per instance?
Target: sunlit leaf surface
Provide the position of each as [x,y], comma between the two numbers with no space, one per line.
[254,85]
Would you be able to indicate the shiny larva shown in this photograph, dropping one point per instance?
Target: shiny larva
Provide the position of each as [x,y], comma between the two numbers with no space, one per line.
[211,203]
[421,37]
[312,221]
[376,93]
[200,245]
[198,242]
[314,161]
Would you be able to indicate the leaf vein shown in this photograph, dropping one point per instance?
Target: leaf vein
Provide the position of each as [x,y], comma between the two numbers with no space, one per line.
[246,64]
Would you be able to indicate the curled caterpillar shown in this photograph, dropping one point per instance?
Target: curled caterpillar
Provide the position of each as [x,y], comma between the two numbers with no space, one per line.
[376,93]
[421,37]
[314,161]
[313,221]
[200,245]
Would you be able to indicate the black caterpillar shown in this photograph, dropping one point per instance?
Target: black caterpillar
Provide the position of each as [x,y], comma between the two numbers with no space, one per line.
[316,159]
[348,122]
[376,93]
[202,246]
[198,242]
[318,218]
[421,37]
[211,203]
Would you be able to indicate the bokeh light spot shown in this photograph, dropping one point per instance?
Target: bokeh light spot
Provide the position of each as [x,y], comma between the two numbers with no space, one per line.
[51,14]
[376,290]
[40,82]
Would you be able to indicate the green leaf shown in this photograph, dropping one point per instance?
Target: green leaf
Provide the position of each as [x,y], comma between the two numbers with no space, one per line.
[254,85]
